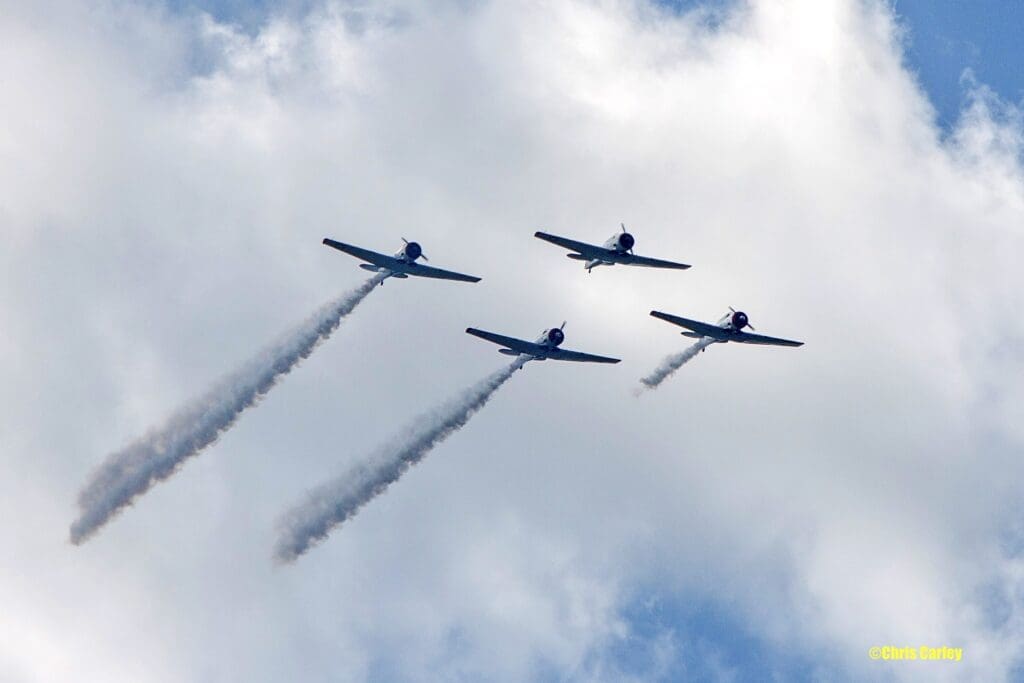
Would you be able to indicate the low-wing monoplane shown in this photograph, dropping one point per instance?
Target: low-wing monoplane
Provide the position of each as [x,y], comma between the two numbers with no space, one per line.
[728,329]
[401,265]
[617,249]
[546,347]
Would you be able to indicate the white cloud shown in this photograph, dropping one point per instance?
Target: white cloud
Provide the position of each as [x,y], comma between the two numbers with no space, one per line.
[168,180]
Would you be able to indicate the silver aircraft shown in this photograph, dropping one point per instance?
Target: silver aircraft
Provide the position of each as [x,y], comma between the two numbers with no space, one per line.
[728,329]
[401,265]
[617,249]
[546,347]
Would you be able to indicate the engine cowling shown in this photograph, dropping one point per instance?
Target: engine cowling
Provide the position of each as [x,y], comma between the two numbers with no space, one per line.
[625,241]
[739,320]
[413,250]
[555,336]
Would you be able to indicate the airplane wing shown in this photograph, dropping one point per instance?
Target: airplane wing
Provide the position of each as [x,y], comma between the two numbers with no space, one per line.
[373,257]
[748,338]
[704,329]
[565,354]
[588,250]
[520,345]
[429,271]
[655,263]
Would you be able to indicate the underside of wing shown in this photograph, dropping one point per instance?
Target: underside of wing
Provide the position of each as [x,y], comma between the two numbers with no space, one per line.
[519,345]
[421,270]
[703,329]
[591,251]
[364,254]
[648,262]
[748,338]
[565,354]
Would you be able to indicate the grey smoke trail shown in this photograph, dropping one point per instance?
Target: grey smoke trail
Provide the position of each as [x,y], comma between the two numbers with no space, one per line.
[130,472]
[673,363]
[333,503]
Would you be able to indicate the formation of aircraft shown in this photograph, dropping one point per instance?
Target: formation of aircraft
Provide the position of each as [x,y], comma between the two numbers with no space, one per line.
[401,265]
[617,250]
[546,347]
[728,329]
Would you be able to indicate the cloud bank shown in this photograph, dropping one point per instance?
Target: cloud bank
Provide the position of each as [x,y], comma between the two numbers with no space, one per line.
[168,179]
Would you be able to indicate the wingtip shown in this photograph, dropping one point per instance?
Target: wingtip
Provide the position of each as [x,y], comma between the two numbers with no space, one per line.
[539,233]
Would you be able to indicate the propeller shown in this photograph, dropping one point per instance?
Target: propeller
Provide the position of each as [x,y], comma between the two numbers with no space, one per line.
[630,250]
[562,326]
[733,310]
[421,254]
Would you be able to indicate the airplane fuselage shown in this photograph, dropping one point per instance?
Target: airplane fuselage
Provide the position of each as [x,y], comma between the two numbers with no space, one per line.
[549,338]
[734,321]
[407,254]
[618,246]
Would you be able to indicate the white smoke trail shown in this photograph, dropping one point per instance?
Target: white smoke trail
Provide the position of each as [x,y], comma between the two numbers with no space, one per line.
[130,472]
[336,501]
[672,363]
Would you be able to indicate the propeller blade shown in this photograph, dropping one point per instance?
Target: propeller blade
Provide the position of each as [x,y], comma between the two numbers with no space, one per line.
[623,227]
[423,256]
[405,240]
[732,310]
[563,325]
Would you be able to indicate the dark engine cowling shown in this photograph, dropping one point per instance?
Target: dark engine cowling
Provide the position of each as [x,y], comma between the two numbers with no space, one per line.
[556,336]
[413,250]
[625,241]
[739,320]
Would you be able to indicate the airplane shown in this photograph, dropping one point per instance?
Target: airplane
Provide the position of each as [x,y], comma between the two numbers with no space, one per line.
[728,329]
[616,249]
[401,265]
[546,346]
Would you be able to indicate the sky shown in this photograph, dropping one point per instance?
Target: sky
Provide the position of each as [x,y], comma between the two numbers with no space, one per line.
[169,171]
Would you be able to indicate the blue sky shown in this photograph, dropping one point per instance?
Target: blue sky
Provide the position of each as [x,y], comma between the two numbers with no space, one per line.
[947,37]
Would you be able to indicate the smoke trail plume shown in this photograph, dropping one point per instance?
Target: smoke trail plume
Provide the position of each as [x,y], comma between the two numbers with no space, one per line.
[673,363]
[335,502]
[130,472]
